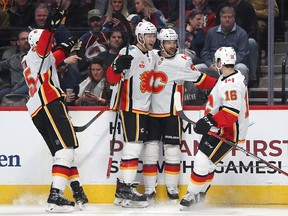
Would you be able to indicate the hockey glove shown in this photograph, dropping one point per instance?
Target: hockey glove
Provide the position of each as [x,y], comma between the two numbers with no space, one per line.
[204,124]
[54,19]
[123,62]
[69,44]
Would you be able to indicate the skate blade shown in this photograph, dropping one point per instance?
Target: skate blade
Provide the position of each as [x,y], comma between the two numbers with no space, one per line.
[59,209]
[184,208]
[173,201]
[117,201]
[134,204]
[81,205]
[193,206]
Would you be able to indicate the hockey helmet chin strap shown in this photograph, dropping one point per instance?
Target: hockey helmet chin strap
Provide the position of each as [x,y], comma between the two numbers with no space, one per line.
[163,49]
[218,68]
[142,43]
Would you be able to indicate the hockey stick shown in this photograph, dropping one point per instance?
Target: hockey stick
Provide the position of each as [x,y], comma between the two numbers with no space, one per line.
[181,114]
[82,128]
[124,21]
[45,52]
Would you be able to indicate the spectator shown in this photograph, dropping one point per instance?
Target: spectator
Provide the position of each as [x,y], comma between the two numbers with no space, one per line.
[194,34]
[8,39]
[41,14]
[45,1]
[93,41]
[4,25]
[22,14]
[76,14]
[261,10]
[173,11]
[133,19]
[228,33]
[148,12]
[13,66]
[115,42]
[101,5]
[248,21]
[194,42]
[69,74]
[115,6]
[131,6]
[209,16]
[4,19]
[5,5]
[94,91]
[162,5]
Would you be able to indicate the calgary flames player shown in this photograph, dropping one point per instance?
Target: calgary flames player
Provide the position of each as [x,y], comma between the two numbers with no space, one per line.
[171,70]
[134,106]
[49,114]
[227,115]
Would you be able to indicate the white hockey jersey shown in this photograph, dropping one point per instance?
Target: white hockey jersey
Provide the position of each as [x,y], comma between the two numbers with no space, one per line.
[230,94]
[138,82]
[45,88]
[169,75]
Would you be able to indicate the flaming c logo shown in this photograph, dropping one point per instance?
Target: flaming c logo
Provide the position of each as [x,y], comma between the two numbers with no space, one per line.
[146,81]
[160,81]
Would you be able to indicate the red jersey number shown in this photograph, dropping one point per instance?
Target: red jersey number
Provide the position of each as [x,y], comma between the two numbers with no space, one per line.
[31,82]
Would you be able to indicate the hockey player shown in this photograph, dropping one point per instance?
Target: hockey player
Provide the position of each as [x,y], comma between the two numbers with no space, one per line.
[171,70]
[226,114]
[134,107]
[49,114]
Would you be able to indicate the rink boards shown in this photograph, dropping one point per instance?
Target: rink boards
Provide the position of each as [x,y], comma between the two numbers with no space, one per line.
[25,162]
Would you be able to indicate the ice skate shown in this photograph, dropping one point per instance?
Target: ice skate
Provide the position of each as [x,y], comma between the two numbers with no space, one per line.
[58,203]
[173,193]
[132,198]
[187,201]
[119,193]
[150,193]
[79,195]
[190,200]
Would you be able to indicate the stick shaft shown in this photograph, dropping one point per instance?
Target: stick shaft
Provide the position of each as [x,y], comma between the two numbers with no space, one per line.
[178,105]
[125,22]
[82,128]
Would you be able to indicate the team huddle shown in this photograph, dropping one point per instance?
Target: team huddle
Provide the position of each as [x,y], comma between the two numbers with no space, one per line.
[145,81]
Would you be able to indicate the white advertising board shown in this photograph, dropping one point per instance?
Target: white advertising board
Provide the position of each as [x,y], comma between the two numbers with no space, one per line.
[25,159]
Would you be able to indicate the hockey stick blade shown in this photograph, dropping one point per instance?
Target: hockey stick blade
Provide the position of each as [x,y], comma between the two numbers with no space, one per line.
[178,105]
[82,128]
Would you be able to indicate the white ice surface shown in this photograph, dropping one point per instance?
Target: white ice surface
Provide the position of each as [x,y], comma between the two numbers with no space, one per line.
[166,209]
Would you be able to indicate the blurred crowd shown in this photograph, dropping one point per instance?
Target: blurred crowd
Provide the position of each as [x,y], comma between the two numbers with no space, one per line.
[209,24]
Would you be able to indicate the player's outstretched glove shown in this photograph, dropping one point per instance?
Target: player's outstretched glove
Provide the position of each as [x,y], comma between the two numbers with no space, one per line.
[123,62]
[204,124]
[54,19]
[69,44]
